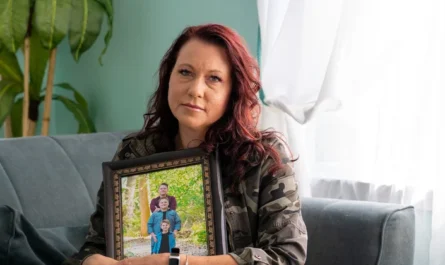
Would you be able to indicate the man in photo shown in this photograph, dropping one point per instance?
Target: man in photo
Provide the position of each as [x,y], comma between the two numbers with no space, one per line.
[163,193]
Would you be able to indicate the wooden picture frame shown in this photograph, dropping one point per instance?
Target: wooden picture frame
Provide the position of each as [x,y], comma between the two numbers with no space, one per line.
[193,168]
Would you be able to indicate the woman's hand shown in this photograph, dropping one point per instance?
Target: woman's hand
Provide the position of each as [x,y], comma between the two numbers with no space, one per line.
[98,259]
[156,259]
[162,259]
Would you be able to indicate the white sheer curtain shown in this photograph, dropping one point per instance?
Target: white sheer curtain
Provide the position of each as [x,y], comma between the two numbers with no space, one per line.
[296,48]
[358,87]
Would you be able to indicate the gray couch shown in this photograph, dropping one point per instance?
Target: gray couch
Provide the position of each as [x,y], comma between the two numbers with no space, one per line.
[53,181]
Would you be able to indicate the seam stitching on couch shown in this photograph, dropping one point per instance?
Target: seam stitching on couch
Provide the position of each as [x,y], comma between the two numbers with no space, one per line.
[13,187]
[75,167]
[382,236]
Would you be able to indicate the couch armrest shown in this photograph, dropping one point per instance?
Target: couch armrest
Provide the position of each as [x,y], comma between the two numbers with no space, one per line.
[343,232]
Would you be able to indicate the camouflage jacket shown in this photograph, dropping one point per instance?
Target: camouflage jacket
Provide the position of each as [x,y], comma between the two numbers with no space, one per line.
[263,219]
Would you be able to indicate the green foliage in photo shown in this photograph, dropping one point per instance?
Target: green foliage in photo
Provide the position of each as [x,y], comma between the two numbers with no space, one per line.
[185,183]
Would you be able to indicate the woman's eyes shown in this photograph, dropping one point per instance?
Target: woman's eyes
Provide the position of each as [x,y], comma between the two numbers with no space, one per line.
[213,78]
[184,72]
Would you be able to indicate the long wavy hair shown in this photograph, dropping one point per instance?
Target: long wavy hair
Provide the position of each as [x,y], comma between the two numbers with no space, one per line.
[240,144]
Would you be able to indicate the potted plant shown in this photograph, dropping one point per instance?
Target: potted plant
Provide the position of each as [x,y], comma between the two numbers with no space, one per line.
[36,28]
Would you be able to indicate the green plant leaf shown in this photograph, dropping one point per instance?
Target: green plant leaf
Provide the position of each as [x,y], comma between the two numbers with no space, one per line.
[85,25]
[51,20]
[38,61]
[8,92]
[9,67]
[107,5]
[16,118]
[14,15]
[86,125]
[79,98]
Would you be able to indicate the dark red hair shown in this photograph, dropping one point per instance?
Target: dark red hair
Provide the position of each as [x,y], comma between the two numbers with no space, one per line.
[239,142]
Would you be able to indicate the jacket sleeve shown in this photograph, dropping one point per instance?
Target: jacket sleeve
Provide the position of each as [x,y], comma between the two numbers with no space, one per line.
[173,203]
[153,205]
[150,225]
[172,241]
[178,222]
[282,235]
[95,239]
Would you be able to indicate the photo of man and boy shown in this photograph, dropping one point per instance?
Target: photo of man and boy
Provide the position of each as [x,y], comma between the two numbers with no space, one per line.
[163,226]
[162,210]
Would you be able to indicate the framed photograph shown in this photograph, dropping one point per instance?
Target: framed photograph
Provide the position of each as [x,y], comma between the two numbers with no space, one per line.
[162,201]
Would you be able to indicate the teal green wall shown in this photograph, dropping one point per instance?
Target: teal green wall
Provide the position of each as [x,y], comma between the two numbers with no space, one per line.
[118,92]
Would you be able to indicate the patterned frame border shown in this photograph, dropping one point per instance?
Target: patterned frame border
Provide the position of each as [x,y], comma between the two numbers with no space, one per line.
[117,200]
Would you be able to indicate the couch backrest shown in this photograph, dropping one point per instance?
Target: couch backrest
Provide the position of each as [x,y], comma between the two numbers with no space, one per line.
[53,181]
[344,232]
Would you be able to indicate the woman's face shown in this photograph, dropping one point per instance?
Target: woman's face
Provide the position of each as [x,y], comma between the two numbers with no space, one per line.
[200,85]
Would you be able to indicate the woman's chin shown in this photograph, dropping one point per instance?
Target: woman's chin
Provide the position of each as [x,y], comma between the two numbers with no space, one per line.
[191,124]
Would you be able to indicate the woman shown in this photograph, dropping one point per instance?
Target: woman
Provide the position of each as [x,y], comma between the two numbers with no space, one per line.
[206,97]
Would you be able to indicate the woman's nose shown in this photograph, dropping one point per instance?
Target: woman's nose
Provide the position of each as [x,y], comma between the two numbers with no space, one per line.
[197,88]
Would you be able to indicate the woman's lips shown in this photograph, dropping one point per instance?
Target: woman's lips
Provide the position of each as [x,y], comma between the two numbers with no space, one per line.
[193,107]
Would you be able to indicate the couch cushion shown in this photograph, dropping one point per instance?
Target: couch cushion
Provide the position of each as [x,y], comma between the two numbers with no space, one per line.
[356,232]
[87,152]
[8,194]
[53,180]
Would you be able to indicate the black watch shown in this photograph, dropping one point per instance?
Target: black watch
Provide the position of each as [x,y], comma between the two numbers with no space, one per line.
[174,257]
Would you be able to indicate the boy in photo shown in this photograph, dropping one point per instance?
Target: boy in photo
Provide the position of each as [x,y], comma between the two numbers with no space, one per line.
[165,240]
